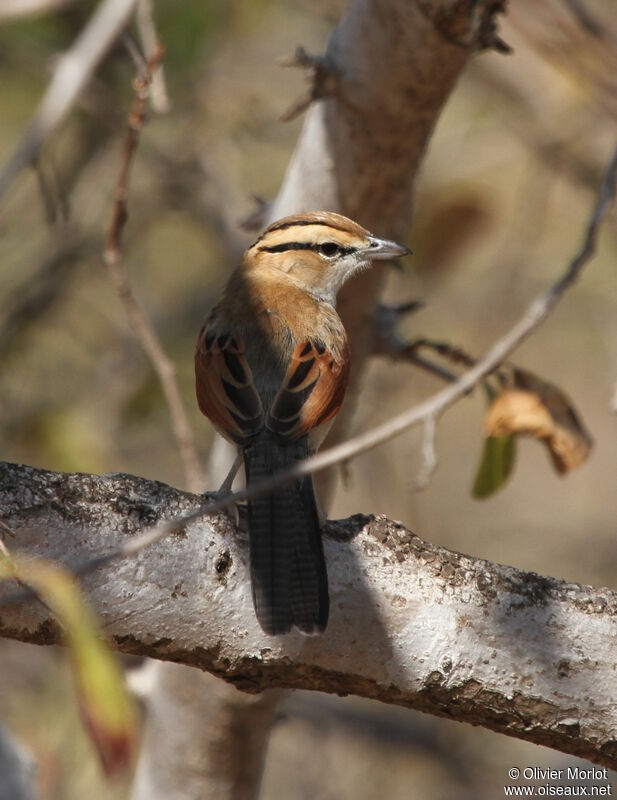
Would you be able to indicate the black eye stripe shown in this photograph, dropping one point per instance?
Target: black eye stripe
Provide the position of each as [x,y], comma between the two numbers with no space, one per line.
[280,248]
[318,248]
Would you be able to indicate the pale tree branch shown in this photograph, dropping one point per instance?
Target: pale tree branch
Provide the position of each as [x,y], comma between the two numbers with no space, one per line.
[412,623]
[71,74]
[17,9]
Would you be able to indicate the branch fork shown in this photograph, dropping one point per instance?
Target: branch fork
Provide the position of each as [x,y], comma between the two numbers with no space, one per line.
[322,76]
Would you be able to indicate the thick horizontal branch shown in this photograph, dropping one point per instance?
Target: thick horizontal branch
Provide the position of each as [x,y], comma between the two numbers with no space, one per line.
[412,623]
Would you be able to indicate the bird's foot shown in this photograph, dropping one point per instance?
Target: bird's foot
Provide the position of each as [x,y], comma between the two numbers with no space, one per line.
[236,513]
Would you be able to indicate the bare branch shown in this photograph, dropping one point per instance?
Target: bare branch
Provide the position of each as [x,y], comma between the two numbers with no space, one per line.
[412,623]
[73,71]
[387,341]
[136,123]
[429,455]
[321,75]
[16,9]
[143,328]
[150,42]
[55,200]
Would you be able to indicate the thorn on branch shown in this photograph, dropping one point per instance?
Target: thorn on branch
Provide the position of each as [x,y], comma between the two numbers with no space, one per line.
[488,38]
[388,342]
[499,45]
[321,75]
[471,31]
[429,456]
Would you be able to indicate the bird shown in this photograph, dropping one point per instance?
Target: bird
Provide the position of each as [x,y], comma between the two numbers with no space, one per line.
[271,369]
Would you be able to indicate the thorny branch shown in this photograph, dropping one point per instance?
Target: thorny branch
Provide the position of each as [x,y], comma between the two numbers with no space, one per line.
[322,78]
[430,409]
[138,319]
[136,122]
[387,341]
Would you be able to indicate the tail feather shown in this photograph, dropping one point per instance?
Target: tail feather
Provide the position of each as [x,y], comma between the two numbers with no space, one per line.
[288,570]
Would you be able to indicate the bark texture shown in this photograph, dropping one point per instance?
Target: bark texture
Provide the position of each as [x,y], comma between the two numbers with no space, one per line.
[223,736]
[412,623]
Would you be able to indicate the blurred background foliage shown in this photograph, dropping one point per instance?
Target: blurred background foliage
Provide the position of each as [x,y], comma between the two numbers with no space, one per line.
[500,205]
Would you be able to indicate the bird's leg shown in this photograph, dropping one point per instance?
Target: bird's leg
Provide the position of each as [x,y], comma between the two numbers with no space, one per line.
[225,487]
[231,510]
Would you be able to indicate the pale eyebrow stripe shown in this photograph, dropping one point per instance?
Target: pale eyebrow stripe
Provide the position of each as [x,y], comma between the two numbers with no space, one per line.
[302,223]
[283,225]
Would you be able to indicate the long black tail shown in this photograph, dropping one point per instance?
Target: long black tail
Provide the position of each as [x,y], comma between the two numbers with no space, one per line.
[288,569]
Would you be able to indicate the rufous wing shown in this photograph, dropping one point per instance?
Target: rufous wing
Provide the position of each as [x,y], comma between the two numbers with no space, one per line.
[312,392]
[224,383]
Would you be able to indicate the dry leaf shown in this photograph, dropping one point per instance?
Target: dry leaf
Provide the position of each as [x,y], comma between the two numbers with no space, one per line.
[533,407]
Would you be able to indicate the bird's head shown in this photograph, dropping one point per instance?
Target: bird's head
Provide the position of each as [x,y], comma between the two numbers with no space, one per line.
[319,251]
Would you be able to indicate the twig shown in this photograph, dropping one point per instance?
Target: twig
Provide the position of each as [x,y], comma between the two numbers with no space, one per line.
[54,199]
[72,72]
[143,328]
[322,77]
[452,352]
[16,9]
[150,41]
[586,18]
[136,123]
[387,341]
[429,456]
[432,408]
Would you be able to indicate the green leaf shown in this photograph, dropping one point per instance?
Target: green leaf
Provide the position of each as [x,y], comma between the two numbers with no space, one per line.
[105,705]
[496,465]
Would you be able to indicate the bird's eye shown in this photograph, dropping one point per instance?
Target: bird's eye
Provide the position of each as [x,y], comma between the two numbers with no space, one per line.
[328,249]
